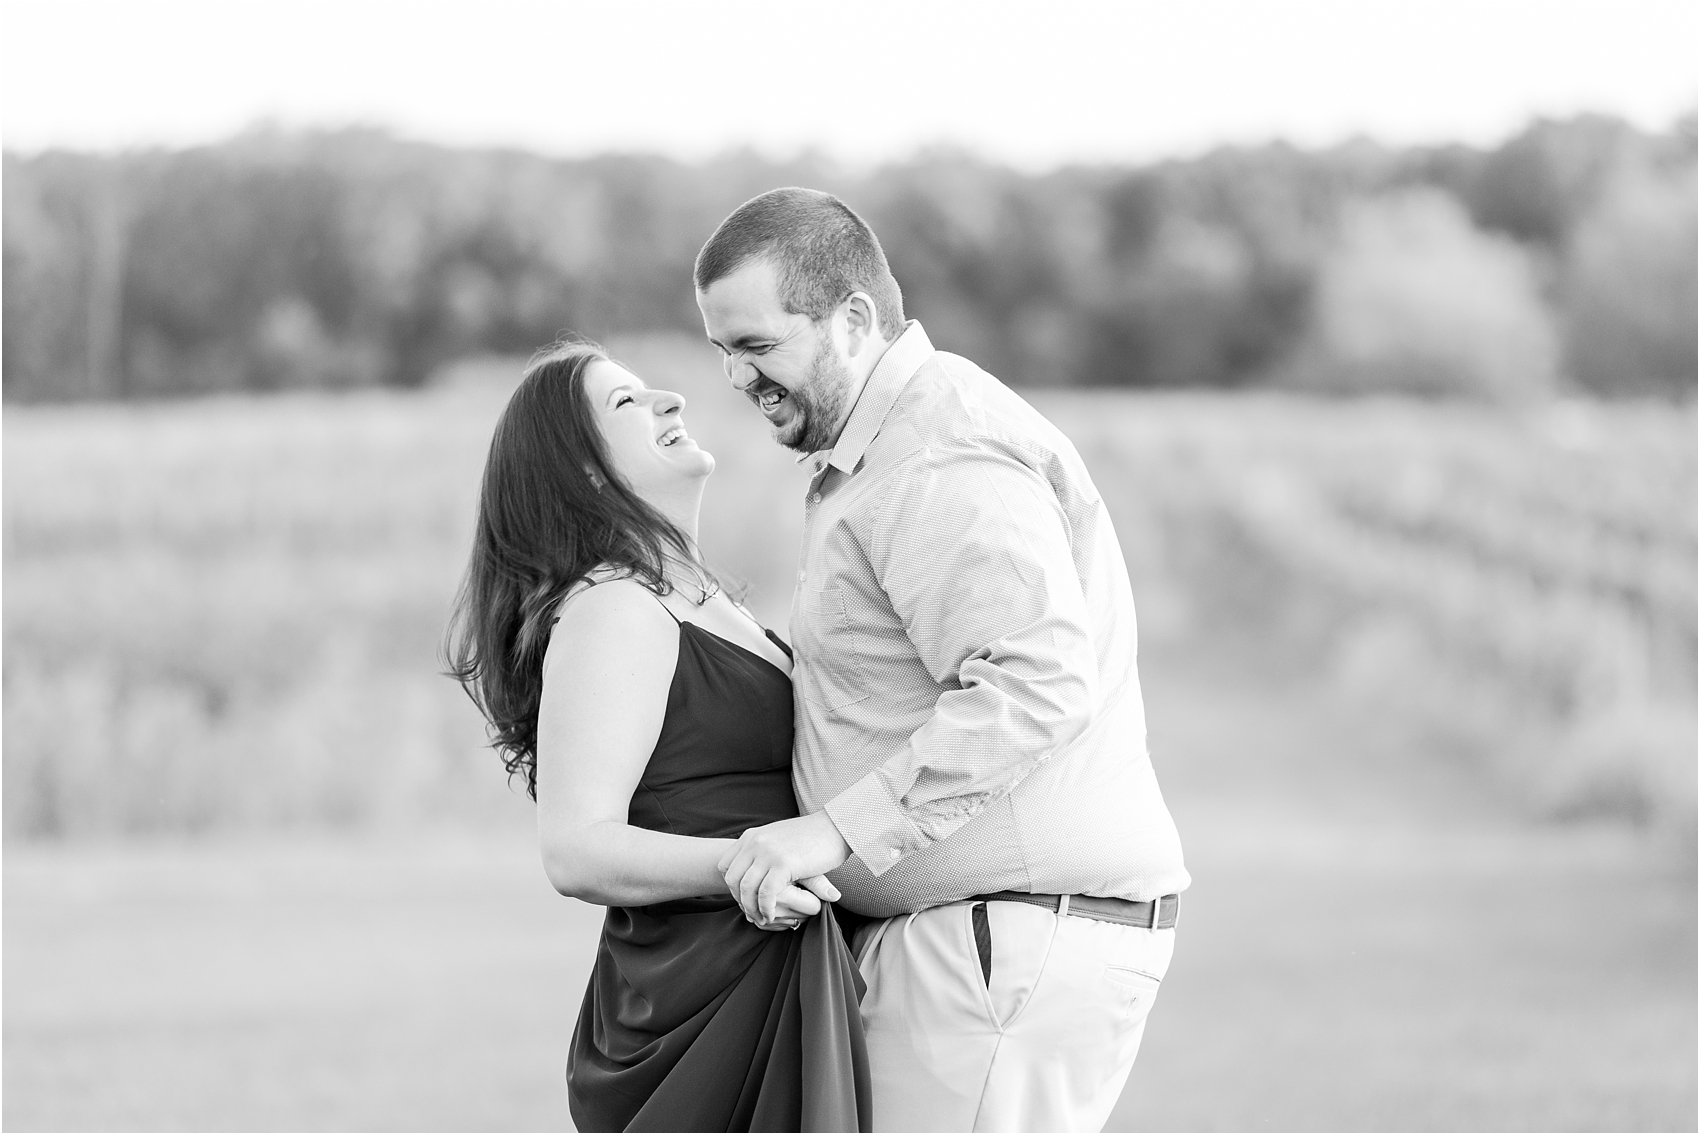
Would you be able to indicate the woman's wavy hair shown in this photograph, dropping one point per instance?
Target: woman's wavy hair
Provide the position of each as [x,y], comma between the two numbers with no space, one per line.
[551,511]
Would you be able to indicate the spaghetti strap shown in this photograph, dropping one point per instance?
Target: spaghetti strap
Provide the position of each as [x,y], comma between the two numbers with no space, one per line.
[587,583]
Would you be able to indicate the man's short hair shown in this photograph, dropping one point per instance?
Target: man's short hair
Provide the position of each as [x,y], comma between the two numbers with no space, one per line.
[820,249]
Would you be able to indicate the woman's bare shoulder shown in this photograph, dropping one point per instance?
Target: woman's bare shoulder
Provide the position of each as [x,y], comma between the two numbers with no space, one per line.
[615,610]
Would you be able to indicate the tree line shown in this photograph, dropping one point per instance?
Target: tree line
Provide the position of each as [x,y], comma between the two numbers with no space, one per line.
[1560,261]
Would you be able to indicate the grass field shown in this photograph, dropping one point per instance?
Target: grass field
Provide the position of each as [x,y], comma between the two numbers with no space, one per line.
[1421,682]
[1400,952]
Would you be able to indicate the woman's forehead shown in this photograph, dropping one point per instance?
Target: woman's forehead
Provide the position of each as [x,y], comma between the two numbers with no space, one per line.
[605,375]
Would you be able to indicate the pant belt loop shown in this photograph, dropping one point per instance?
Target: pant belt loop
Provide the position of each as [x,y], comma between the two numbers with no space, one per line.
[1062,906]
[1156,912]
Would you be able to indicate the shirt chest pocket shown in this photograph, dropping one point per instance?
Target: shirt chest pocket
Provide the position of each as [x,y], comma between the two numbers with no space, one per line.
[832,676]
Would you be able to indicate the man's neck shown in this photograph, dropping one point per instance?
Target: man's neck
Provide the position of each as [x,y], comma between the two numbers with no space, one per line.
[876,351]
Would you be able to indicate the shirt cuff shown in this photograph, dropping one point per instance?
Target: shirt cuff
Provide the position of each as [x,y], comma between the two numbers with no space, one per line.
[877,830]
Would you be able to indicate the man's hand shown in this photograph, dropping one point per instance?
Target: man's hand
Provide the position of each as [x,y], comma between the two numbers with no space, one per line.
[768,859]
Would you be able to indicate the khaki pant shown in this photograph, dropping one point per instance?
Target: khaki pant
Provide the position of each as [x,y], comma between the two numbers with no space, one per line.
[1047,1046]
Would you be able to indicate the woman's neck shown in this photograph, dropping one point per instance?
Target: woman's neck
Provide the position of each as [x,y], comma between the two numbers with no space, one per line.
[682,510]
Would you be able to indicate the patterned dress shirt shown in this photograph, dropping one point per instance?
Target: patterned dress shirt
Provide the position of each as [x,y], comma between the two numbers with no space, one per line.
[968,707]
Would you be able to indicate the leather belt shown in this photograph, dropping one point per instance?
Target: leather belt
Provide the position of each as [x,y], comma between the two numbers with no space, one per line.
[1153,915]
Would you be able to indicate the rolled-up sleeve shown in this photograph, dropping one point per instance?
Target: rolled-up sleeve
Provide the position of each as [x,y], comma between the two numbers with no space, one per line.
[971,547]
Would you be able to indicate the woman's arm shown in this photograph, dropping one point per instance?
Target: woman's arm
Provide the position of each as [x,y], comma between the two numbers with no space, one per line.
[606,678]
[605,681]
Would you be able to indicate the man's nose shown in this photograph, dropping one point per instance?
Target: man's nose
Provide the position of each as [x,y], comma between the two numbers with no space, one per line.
[740,371]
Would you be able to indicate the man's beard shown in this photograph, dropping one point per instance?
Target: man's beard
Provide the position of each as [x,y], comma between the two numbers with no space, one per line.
[818,405]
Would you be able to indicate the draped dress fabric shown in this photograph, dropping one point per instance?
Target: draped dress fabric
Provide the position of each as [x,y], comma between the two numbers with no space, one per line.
[695,1020]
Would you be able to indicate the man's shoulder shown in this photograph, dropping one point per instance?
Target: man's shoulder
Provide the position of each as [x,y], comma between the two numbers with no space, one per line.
[956,407]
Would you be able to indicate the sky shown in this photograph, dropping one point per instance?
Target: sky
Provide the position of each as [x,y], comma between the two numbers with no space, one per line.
[1033,84]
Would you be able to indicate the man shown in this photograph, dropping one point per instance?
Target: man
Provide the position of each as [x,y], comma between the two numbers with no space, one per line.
[970,755]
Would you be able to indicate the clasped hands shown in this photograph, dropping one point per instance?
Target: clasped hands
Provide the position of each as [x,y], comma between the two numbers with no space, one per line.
[777,872]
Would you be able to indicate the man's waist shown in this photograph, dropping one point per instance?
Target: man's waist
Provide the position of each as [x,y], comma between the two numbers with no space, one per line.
[1151,914]
[971,880]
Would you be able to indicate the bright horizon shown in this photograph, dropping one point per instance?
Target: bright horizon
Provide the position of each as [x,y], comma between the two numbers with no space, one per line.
[1086,81]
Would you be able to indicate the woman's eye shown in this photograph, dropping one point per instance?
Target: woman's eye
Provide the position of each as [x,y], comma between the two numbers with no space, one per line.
[623,399]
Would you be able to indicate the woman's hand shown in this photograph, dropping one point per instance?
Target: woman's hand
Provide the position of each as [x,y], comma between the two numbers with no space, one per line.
[797,904]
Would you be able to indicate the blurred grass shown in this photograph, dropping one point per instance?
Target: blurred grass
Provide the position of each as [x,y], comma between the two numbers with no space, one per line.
[1370,944]
[1517,589]
[224,614]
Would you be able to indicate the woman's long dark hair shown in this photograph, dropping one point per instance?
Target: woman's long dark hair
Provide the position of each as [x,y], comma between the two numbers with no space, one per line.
[551,511]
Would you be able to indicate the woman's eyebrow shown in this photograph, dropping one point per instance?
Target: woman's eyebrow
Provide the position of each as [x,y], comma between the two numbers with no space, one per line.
[626,386]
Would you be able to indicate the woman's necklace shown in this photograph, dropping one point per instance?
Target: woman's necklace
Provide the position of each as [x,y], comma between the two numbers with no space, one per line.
[709,590]
[706,584]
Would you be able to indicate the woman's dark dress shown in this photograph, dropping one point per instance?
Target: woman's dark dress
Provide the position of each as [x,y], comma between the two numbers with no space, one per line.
[694,1019]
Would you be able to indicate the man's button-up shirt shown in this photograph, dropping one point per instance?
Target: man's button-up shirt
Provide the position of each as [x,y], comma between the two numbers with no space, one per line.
[968,707]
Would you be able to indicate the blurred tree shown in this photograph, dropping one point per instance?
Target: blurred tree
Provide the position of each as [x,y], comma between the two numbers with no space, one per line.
[51,222]
[1629,287]
[970,247]
[346,258]
[1206,270]
[1539,183]
[223,244]
[1414,299]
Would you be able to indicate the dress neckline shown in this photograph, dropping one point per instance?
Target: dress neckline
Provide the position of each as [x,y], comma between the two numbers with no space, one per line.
[765,661]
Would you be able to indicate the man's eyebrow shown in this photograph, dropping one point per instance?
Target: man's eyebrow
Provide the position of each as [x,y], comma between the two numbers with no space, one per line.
[739,342]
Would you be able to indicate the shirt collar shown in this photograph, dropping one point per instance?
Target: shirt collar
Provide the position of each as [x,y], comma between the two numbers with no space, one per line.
[879,394]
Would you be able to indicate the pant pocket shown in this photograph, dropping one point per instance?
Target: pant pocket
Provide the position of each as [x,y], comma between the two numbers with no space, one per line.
[1131,990]
[1020,936]
[983,941]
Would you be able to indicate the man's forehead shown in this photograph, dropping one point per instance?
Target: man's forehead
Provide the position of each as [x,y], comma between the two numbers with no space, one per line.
[753,283]
[744,303]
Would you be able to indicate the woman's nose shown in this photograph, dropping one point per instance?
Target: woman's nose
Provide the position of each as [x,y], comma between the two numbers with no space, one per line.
[667,402]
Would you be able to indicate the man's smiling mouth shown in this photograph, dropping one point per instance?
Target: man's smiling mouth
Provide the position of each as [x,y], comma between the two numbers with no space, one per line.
[769,396]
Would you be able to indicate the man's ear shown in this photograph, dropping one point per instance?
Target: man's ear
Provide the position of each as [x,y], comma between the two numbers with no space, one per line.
[861,322]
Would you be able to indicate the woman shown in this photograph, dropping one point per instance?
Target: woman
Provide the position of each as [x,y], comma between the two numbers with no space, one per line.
[652,720]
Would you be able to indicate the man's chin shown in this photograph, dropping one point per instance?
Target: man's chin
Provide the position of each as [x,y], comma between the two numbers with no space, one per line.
[793,434]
